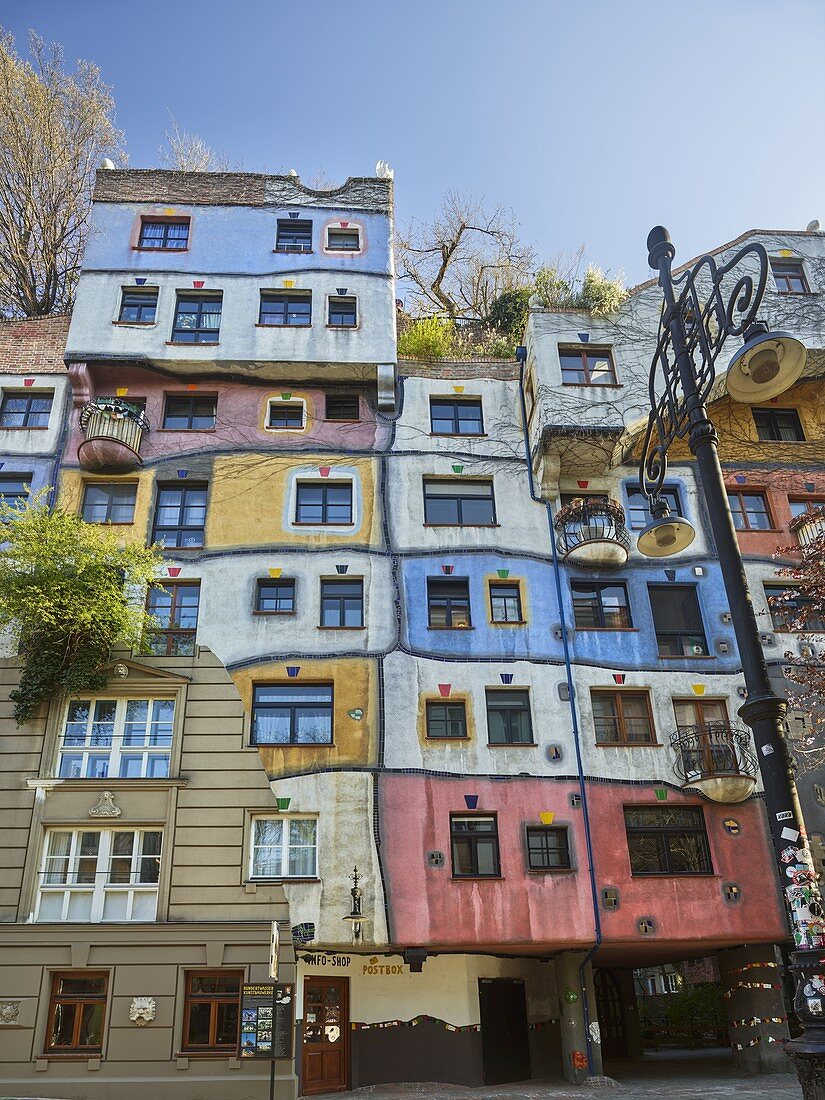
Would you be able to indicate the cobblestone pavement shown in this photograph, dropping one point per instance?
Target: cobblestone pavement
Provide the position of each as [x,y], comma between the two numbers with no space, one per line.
[699,1075]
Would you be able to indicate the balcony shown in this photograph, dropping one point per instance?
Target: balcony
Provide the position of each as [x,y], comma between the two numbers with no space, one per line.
[715,759]
[114,431]
[591,533]
[809,527]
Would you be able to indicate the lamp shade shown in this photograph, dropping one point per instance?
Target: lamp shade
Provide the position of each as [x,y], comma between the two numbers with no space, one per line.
[666,536]
[766,365]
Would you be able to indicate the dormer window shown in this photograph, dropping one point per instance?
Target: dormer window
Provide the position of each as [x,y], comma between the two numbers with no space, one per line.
[294,235]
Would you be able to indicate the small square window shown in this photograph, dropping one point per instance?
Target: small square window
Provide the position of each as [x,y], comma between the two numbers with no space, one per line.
[474,842]
[284,847]
[192,413]
[449,416]
[324,503]
[599,605]
[622,718]
[446,721]
[638,505]
[14,489]
[505,603]
[587,366]
[448,603]
[778,426]
[342,407]
[789,277]
[292,310]
[109,502]
[138,307]
[343,312]
[294,235]
[547,849]
[343,240]
[749,510]
[286,416]
[275,597]
[165,234]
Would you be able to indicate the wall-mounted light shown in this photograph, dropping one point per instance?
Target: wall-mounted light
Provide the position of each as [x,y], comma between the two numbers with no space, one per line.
[355,915]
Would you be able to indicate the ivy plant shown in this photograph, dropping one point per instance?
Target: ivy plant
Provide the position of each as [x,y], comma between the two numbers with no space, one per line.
[69,591]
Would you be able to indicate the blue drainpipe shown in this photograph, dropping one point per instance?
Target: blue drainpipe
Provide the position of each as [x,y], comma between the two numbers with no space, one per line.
[521,356]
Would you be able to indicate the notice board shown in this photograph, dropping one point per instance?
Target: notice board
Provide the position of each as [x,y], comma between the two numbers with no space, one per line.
[267,1020]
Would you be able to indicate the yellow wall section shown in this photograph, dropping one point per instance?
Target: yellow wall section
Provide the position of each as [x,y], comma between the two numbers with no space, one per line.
[355,741]
[72,486]
[247,501]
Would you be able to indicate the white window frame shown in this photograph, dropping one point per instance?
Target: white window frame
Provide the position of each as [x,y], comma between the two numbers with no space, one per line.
[117,750]
[344,227]
[285,819]
[99,890]
[274,401]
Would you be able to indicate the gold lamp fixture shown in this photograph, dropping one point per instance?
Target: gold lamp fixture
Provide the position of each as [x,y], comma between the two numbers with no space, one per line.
[665,534]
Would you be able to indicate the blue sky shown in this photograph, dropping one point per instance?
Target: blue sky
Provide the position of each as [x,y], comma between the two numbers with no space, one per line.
[593,120]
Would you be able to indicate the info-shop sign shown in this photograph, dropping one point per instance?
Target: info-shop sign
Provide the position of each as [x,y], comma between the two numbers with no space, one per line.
[267,1013]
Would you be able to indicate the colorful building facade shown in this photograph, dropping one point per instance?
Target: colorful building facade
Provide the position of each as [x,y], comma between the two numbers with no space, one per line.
[388,643]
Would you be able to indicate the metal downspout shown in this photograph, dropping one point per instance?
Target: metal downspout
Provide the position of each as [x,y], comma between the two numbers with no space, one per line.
[597,924]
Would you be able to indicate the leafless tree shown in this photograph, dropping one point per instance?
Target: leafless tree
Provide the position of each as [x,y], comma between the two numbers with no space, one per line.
[463,259]
[186,152]
[55,129]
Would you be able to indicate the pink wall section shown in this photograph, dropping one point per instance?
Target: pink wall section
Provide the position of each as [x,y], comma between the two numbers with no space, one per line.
[554,909]
[241,414]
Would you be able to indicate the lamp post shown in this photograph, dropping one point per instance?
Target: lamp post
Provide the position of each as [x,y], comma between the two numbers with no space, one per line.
[703,306]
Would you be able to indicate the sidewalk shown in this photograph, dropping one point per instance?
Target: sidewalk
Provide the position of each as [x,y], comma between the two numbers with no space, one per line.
[699,1075]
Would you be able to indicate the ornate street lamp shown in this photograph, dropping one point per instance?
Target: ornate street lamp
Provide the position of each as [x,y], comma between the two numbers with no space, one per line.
[703,306]
[355,916]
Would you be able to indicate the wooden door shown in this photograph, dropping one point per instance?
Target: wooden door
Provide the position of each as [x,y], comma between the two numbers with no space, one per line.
[505,1046]
[325,1039]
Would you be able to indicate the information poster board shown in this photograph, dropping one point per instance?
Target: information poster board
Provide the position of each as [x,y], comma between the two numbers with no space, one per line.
[267,1014]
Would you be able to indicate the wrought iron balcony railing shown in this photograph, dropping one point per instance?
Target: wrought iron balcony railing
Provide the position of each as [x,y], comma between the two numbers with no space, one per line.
[716,759]
[114,430]
[592,533]
[809,526]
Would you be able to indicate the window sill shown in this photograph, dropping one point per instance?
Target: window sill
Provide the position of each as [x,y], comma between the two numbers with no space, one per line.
[141,248]
[686,657]
[460,629]
[607,629]
[24,428]
[342,328]
[283,881]
[293,251]
[673,874]
[477,878]
[260,324]
[460,525]
[628,745]
[135,324]
[596,385]
[342,420]
[760,530]
[512,745]
[438,740]
[551,870]
[276,614]
[192,343]
[320,523]
[458,435]
[116,782]
[231,1053]
[362,627]
[514,622]
[200,431]
[291,744]
[80,1056]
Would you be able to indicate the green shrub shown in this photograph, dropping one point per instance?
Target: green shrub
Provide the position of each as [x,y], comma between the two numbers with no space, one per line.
[508,314]
[601,294]
[554,291]
[428,338]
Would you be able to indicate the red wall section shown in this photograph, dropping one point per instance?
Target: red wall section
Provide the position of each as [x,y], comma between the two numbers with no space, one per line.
[777,485]
[428,906]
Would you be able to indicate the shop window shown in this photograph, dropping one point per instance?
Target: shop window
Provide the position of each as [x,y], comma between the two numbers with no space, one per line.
[211,1011]
[77,1011]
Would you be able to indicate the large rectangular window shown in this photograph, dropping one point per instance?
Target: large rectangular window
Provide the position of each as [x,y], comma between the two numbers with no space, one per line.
[448,603]
[275,597]
[622,718]
[284,847]
[342,603]
[449,416]
[180,516]
[77,1012]
[458,503]
[749,510]
[677,620]
[548,849]
[446,721]
[25,409]
[117,739]
[792,611]
[505,603]
[138,307]
[190,413]
[474,842]
[109,502]
[587,366]
[324,502]
[175,609]
[99,875]
[638,505]
[211,1011]
[197,319]
[778,425]
[292,714]
[667,840]
[508,718]
[164,234]
[292,310]
[294,235]
[600,605]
